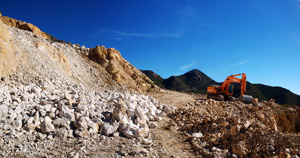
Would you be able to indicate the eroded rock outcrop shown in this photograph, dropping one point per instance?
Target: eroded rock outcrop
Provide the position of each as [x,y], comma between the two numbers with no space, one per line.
[24,26]
[120,69]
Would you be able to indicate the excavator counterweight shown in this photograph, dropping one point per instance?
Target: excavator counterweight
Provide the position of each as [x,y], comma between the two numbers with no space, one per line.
[225,91]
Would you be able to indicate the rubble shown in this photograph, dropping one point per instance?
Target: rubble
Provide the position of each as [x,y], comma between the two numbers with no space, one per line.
[48,115]
[235,129]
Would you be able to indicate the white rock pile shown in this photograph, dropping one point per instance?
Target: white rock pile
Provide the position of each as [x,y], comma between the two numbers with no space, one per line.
[56,110]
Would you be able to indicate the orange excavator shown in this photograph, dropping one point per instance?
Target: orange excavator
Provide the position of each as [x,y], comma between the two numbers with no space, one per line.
[225,91]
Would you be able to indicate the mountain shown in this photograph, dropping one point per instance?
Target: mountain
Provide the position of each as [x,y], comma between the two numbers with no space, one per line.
[196,81]
[192,81]
[154,77]
[281,95]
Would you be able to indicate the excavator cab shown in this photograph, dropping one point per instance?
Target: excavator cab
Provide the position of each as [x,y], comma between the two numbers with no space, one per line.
[230,89]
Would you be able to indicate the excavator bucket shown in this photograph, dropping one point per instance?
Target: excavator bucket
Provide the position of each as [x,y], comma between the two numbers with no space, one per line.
[247,99]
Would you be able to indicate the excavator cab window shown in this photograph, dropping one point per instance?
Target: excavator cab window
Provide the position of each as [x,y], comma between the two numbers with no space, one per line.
[230,89]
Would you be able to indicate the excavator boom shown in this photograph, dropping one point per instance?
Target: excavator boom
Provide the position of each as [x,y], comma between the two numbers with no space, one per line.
[226,89]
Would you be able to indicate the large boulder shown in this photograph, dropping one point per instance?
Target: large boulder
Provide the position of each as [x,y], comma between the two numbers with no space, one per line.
[119,111]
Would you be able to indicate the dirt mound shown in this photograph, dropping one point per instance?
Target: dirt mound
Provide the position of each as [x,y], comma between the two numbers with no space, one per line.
[229,129]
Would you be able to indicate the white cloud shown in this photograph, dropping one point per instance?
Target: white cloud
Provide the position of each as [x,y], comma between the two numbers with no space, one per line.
[172,35]
[187,66]
[176,74]
[240,63]
[222,72]
[189,11]
[120,34]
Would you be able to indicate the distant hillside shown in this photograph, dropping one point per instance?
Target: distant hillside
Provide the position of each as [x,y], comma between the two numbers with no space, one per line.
[193,81]
[281,95]
[154,77]
[196,81]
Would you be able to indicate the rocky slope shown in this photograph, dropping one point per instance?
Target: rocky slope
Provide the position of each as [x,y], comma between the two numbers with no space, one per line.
[31,51]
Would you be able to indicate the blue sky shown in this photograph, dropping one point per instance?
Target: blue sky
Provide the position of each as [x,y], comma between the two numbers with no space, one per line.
[171,37]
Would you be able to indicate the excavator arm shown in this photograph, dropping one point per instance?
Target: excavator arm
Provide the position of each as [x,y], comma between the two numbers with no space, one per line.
[226,89]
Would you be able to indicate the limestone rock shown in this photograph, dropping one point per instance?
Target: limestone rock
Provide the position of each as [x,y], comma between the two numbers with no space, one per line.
[119,111]
[129,130]
[61,122]
[140,112]
[3,111]
[47,126]
[82,132]
[67,113]
[197,135]
[81,123]
[62,133]
[146,141]
[108,129]
[93,125]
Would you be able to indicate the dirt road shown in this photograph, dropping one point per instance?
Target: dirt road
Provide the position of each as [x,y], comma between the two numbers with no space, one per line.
[167,140]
